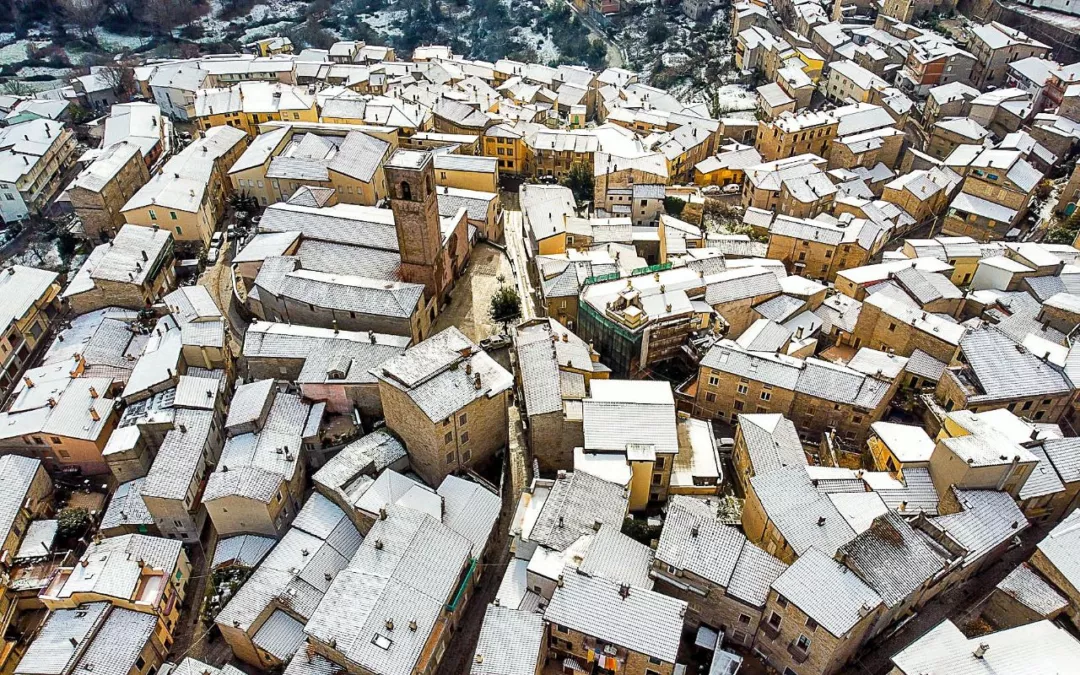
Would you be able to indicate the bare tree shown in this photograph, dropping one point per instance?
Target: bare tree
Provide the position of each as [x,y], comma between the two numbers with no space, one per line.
[85,14]
[119,76]
[164,15]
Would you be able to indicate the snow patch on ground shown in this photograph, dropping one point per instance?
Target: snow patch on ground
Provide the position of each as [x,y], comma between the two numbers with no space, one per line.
[46,256]
[215,28]
[675,59]
[16,51]
[386,21]
[545,48]
[112,42]
[735,98]
[269,30]
[35,71]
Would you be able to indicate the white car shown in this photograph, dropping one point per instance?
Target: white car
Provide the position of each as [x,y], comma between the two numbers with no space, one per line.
[216,240]
[212,256]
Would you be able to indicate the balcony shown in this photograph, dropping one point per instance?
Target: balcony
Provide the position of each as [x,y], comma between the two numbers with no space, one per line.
[797,653]
[772,632]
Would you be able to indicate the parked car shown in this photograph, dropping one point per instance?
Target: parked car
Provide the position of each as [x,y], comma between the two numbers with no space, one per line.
[216,240]
[495,342]
[212,256]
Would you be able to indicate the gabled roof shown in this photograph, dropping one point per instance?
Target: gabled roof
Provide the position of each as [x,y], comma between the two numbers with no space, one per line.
[827,592]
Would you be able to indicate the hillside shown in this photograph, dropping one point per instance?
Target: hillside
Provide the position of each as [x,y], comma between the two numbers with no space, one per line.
[44,42]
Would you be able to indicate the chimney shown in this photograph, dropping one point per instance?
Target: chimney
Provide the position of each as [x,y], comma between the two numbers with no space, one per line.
[52,402]
[382,513]
[821,521]
[93,393]
[378,544]
[476,382]
[694,531]
[981,651]
[334,322]
[94,415]
[183,428]
[624,591]
[389,624]
[74,642]
[412,625]
[28,381]
[371,336]
[144,256]
[327,576]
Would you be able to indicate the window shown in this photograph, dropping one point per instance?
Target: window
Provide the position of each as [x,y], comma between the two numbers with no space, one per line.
[1027,405]
[465,437]
[153,214]
[710,397]
[449,437]
[657,478]
[714,380]
[449,458]
[179,231]
[140,663]
[781,600]
[766,396]
[466,456]
[811,624]
[738,405]
[64,453]
[744,619]
[172,215]
[803,643]
[446,421]
[55,440]
[661,463]
[38,441]
[892,326]
[742,389]
[463,419]
[774,620]
[561,629]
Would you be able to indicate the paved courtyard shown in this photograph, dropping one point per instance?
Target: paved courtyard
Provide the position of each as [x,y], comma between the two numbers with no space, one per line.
[471,300]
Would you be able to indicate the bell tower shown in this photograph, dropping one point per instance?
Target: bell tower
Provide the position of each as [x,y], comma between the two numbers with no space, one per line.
[410,175]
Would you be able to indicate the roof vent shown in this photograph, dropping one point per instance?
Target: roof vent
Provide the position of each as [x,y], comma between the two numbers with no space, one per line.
[412,625]
[378,544]
[624,591]
[981,651]
[821,521]
[382,513]
[74,642]
[694,531]
[94,414]
[389,624]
